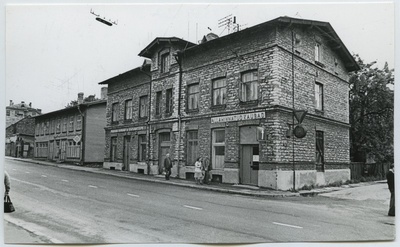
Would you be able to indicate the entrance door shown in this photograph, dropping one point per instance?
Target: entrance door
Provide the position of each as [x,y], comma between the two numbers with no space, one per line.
[63,150]
[249,164]
[164,148]
[127,144]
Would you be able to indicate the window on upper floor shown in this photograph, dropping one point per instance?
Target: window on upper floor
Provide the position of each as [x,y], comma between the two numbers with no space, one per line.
[71,124]
[78,122]
[158,102]
[114,112]
[128,109]
[58,126]
[64,125]
[219,92]
[164,62]
[143,106]
[8,113]
[319,96]
[168,101]
[249,86]
[193,97]
[318,52]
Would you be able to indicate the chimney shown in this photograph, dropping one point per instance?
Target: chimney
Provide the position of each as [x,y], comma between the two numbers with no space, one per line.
[30,104]
[11,103]
[91,98]
[104,92]
[80,98]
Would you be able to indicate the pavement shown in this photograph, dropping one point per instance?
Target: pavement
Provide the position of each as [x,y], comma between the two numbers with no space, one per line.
[357,192]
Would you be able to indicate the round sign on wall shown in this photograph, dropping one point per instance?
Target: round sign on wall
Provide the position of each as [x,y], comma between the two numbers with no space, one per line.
[299,131]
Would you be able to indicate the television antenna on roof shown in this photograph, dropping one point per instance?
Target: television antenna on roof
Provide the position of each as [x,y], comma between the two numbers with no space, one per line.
[103,19]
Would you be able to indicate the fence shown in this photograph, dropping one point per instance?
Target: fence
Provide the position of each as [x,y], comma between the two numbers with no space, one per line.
[360,169]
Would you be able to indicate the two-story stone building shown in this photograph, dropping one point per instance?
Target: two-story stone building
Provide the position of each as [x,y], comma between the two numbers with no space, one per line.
[20,138]
[74,134]
[211,99]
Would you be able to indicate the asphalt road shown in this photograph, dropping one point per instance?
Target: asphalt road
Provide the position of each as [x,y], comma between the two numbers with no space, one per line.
[68,206]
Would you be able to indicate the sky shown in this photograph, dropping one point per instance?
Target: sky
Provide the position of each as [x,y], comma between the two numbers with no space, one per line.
[53,52]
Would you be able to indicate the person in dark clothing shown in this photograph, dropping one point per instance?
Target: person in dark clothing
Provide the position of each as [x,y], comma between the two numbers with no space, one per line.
[206,168]
[390,181]
[167,166]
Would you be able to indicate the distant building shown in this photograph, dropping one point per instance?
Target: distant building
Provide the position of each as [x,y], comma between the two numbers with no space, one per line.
[16,112]
[231,99]
[20,138]
[73,134]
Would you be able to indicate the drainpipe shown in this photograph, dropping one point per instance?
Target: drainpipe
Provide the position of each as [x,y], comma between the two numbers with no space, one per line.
[178,57]
[293,137]
[148,124]
[83,129]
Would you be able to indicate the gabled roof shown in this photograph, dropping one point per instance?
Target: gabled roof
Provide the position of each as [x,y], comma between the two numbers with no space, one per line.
[149,50]
[72,108]
[324,27]
[145,68]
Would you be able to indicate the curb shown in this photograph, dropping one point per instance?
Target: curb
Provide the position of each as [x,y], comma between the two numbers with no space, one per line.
[193,186]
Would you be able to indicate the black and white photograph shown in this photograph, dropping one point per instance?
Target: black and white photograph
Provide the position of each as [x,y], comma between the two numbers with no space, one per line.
[199,123]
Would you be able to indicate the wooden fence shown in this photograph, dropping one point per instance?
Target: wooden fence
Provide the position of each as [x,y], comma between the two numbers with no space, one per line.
[360,169]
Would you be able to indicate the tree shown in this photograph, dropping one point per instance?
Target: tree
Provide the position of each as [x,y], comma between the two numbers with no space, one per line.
[371,112]
[90,98]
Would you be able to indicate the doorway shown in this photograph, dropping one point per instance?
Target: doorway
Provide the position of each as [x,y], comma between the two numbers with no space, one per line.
[164,148]
[249,164]
[127,144]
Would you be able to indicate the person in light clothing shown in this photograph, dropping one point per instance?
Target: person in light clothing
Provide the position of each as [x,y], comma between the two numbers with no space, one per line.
[7,183]
[198,175]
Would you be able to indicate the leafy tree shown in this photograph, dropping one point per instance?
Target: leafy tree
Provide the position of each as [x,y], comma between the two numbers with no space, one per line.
[90,98]
[371,112]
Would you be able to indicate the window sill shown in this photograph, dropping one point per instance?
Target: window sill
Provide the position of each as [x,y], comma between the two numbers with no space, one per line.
[142,119]
[249,103]
[218,107]
[115,122]
[320,64]
[127,121]
[192,110]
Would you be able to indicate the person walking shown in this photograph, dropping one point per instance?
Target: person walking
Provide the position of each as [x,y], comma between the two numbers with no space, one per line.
[7,183]
[197,171]
[390,182]
[206,170]
[167,166]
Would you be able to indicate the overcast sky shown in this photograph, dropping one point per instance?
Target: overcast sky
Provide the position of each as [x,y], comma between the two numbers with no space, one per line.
[53,52]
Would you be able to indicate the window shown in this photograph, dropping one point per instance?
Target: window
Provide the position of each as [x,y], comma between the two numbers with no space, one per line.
[249,86]
[71,123]
[193,97]
[164,63]
[42,129]
[218,148]
[47,131]
[37,129]
[73,149]
[142,147]
[143,107]
[64,125]
[114,112]
[319,96]
[319,150]
[8,113]
[128,109]
[158,102]
[168,101]
[78,122]
[192,147]
[317,52]
[219,91]
[113,154]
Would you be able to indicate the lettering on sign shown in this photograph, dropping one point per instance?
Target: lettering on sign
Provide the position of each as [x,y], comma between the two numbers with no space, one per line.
[128,129]
[239,117]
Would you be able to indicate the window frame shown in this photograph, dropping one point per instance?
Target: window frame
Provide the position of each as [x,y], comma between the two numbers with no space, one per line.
[158,105]
[114,112]
[165,62]
[143,103]
[189,143]
[142,147]
[128,110]
[219,89]
[189,96]
[317,52]
[169,101]
[319,96]
[113,148]
[319,151]
[215,144]
[243,86]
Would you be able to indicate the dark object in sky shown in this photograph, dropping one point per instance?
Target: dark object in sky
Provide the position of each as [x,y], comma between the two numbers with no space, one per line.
[104,21]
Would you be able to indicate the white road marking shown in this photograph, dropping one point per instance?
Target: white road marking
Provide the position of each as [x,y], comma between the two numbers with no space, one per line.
[64,180]
[92,186]
[186,206]
[44,176]
[133,195]
[281,224]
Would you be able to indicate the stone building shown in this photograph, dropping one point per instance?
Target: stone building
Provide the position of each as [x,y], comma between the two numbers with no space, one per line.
[232,100]
[16,112]
[74,134]
[20,138]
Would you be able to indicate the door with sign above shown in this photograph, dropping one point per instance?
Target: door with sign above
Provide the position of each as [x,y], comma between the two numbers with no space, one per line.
[249,164]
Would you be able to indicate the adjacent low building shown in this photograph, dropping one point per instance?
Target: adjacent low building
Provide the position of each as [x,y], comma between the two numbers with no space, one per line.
[16,112]
[74,134]
[20,138]
[232,100]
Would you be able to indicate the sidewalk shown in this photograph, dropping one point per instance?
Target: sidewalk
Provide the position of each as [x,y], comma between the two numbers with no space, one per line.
[224,188]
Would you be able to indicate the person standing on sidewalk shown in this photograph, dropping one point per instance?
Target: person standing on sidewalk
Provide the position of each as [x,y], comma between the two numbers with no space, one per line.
[167,166]
[206,169]
[390,181]
[198,174]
